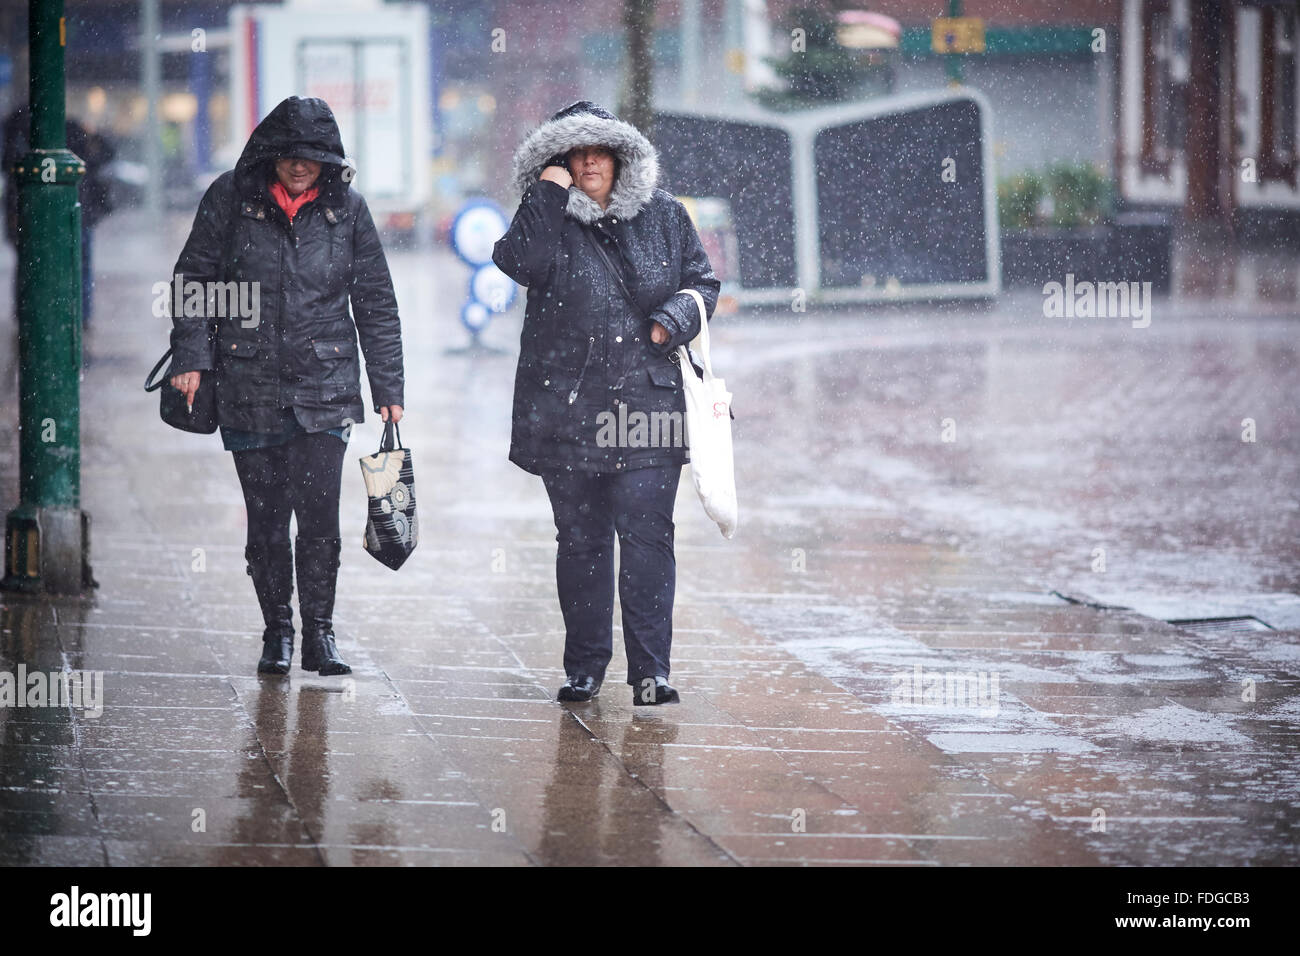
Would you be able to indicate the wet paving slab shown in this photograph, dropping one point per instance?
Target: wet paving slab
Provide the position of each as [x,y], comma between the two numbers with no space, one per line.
[875,671]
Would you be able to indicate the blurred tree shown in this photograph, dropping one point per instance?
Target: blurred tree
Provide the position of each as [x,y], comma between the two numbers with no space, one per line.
[818,70]
[638,63]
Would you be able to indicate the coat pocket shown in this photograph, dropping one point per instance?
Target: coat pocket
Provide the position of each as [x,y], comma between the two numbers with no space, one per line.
[665,376]
[340,373]
[242,378]
[545,393]
[554,378]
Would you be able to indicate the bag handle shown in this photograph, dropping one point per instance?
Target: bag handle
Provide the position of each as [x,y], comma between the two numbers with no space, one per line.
[703,336]
[386,442]
[154,371]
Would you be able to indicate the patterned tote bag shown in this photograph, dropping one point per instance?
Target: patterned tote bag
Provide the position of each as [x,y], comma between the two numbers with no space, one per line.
[392,530]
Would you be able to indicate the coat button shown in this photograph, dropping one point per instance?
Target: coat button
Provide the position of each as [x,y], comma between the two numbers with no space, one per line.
[618,464]
[546,382]
[618,338]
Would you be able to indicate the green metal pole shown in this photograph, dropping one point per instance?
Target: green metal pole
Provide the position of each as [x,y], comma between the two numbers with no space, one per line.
[46,536]
[953,60]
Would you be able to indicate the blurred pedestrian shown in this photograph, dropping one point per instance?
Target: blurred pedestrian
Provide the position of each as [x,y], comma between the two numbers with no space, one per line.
[301,245]
[603,253]
[94,192]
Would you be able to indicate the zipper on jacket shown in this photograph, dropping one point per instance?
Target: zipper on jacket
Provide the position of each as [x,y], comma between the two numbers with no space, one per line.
[573,395]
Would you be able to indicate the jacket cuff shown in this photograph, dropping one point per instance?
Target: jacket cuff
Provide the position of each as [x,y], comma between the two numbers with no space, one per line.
[551,192]
[677,335]
[188,360]
[183,362]
[191,349]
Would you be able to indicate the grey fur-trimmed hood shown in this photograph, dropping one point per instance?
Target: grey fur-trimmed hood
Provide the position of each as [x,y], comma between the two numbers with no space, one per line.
[584,124]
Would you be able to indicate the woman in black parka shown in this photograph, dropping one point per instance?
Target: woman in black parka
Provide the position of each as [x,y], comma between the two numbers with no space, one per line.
[596,359]
[285,226]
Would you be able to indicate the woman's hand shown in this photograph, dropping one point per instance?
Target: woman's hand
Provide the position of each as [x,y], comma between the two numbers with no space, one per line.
[658,334]
[188,383]
[558,175]
[391,411]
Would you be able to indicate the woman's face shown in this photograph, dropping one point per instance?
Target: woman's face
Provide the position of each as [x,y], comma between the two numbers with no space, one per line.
[296,175]
[592,168]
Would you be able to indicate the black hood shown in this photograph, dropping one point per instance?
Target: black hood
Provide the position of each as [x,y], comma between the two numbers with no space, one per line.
[298,126]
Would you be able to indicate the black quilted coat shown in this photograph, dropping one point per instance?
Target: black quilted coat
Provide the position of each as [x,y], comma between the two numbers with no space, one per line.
[300,350]
[585,348]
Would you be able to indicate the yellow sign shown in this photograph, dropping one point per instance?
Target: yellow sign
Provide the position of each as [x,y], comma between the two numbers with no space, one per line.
[957,35]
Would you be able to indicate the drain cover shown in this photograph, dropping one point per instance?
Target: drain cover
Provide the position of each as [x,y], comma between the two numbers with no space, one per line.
[1221,624]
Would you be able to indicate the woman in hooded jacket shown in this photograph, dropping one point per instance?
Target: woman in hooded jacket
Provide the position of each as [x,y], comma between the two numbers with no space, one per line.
[599,411]
[300,244]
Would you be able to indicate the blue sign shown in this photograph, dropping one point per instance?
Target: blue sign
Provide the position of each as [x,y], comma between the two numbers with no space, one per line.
[493,288]
[476,229]
[474,233]
[474,316]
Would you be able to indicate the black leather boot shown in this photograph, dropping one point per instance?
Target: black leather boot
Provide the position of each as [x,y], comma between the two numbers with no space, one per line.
[318,568]
[270,565]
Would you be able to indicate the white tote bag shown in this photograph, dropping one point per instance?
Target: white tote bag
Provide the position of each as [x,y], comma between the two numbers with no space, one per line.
[708,431]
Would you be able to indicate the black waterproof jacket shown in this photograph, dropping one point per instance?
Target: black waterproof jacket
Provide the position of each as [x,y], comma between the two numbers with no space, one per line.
[588,371]
[300,350]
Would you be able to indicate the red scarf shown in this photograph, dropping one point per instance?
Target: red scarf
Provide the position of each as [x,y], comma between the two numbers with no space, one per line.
[291,204]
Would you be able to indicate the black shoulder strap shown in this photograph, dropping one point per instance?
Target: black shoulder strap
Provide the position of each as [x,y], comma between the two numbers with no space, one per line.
[613,269]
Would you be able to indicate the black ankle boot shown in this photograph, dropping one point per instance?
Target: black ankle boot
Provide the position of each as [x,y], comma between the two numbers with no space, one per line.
[270,565]
[580,687]
[651,691]
[318,567]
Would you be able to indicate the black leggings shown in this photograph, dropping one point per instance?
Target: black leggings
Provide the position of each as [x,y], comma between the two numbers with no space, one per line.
[301,477]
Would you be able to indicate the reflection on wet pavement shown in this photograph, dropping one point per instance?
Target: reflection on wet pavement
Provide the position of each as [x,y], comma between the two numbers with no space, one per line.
[823,655]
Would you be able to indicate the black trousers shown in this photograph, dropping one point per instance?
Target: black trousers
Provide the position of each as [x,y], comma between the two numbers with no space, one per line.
[589,510]
[300,477]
